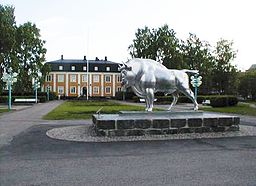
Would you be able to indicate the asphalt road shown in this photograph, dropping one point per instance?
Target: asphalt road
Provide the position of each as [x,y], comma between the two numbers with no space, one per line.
[31,158]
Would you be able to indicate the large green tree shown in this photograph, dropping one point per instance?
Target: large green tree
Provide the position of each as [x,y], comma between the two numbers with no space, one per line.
[30,54]
[247,85]
[160,44]
[21,48]
[7,39]
[225,79]
[197,55]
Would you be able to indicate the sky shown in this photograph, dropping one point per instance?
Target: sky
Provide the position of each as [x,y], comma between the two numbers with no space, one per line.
[99,28]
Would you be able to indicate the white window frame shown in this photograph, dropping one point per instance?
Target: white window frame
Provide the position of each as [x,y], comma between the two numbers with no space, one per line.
[106,88]
[60,89]
[96,78]
[119,89]
[60,67]
[73,67]
[107,69]
[60,79]
[84,68]
[48,78]
[118,78]
[106,79]
[84,78]
[73,78]
[72,88]
[96,68]
[96,90]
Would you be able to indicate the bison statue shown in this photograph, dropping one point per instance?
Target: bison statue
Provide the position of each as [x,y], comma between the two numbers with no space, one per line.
[146,76]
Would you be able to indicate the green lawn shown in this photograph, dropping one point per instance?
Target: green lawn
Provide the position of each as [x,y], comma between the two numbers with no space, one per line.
[85,109]
[3,110]
[241,108]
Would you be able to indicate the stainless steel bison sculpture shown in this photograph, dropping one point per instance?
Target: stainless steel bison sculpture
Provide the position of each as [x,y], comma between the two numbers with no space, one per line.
[146,76]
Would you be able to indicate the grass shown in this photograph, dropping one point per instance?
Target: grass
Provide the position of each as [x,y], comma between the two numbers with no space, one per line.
[84,109]
[241,108]
[3,110]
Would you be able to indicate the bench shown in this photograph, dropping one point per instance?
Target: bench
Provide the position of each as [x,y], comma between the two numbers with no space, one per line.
[143,100]
[25,100]
[206,102]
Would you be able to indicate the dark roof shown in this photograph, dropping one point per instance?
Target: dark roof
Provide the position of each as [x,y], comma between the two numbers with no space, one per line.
[78,63]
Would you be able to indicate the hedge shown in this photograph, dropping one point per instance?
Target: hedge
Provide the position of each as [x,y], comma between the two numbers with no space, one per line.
[216,101]
[223,101]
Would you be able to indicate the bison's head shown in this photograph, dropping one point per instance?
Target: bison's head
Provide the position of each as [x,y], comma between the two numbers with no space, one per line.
[127,75]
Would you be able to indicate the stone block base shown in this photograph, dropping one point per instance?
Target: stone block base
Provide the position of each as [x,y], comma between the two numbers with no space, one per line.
[162,123]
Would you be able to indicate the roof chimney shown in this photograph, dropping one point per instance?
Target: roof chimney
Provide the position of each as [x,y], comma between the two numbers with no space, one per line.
[85,58]
[106,58]
[61,57]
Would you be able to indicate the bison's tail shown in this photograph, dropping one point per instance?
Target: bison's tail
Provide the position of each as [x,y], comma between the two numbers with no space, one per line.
[190,71]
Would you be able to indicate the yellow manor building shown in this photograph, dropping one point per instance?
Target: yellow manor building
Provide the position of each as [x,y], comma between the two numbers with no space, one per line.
[72,77]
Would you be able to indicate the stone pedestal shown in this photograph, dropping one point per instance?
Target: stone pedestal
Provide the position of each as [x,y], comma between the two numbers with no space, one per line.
[134,123]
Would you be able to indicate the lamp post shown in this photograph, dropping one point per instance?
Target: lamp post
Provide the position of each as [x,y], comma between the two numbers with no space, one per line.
[196,82]
[48,89]
[87,69]
[36,86]
[10,78]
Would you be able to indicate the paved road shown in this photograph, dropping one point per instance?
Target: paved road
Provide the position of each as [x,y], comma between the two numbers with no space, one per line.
[31,158]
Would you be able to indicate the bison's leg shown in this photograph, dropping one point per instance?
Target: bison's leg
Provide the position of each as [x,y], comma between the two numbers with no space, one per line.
[150,98]
[175,96]
[190,95]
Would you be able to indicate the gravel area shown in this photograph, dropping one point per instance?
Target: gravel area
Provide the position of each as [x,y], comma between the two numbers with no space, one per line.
[83,133]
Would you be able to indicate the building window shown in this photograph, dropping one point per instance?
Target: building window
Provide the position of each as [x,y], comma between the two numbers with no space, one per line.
[119,89]
[96,68]
[60,89]
[84,78]
[72,90]
[108,90]
[118,78]
[60,78]
[84,68]
[73,67]
[49,78]
[95,90]
[73,78]
[60,67]
[96,78]
[107,68]
[107,78]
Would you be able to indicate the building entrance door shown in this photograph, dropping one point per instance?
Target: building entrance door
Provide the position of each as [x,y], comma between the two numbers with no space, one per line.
[84,91]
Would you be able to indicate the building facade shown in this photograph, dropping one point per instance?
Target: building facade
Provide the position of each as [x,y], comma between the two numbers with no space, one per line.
[71,77]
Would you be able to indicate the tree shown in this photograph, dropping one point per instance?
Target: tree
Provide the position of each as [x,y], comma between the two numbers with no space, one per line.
[20,48]
[224,73]
[30,54]
[247,85]
[197,55]
[7,39]
[160,44]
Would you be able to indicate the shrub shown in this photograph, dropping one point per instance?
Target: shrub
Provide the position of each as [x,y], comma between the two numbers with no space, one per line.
[42,99]
[223,101]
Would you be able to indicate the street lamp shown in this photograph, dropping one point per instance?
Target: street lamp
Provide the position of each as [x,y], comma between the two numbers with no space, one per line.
[48,92]
[37,84]
[196,82]
[10,78]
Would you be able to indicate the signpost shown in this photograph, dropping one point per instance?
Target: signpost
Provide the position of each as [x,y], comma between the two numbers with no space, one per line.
[196,82]
[10,78]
